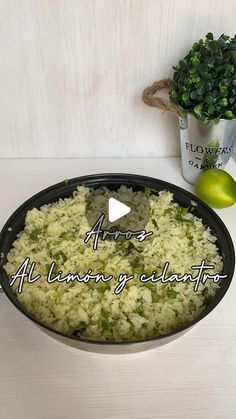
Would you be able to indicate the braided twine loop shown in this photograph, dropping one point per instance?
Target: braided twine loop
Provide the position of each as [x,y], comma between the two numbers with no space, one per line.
[150,97]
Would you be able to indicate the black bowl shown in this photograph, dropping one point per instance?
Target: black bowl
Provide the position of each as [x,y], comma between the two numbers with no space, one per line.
[113,181]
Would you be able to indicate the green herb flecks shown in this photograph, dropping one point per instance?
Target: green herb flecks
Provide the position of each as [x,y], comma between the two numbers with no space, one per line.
[137,271]
[152,287]
[104,313]
[168,211]
[180,216]
[60,255]
[34,235]
[191,306]
[103,287]
[154,222]
[149,191]
[172,294]
[63,235]
[79,329]
[105,323]
[140,311]
[55,268]
[207,296]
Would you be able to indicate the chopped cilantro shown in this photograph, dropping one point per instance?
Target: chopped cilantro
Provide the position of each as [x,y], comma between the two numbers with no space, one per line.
[155,297]
[106,325]
[168,211]
[35,233]
[208,297]
[132,330]
[172,294]
[103,287]
[79,329]
[191,306]
[140,311]
[63,235]
[149,191]
[55,269]
[104,313]
[180,216]
[59,255]
[149,285]
[154,222]
[137,271]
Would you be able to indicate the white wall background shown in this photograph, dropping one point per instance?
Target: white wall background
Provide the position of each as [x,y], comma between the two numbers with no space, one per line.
[72,73]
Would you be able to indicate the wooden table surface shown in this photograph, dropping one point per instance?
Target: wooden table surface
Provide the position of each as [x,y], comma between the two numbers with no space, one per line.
[191,378]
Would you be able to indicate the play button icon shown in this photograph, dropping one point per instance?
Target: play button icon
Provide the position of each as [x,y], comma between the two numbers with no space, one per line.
[116,210]
[124,209]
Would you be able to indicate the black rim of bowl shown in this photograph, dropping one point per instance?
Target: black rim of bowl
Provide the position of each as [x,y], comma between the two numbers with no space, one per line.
[113,180]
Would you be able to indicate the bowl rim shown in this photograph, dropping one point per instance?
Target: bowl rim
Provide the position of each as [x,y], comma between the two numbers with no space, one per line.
[116,179]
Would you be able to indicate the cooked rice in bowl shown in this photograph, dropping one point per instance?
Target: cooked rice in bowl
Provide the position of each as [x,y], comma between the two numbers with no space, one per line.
[56,232]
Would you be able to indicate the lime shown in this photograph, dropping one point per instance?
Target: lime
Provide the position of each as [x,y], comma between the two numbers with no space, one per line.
[216,187]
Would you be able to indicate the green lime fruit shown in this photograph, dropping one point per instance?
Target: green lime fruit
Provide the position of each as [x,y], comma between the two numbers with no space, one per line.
[216,187]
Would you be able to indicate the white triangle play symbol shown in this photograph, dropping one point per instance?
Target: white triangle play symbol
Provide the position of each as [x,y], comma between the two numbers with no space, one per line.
[116,209]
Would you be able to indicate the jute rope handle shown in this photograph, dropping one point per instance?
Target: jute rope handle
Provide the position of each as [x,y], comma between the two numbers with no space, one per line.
[149,97]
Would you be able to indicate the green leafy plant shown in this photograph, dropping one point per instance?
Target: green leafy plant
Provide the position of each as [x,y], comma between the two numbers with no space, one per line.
[204,82]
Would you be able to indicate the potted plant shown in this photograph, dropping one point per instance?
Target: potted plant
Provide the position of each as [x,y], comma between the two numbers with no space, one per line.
[202,93]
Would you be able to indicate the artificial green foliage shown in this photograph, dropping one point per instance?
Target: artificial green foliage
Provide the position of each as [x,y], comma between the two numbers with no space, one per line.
[204,82]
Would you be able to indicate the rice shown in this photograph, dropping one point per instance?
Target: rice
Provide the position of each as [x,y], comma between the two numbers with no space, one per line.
[56,232]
